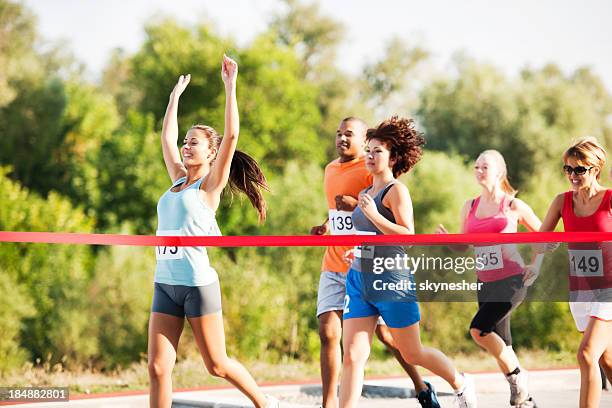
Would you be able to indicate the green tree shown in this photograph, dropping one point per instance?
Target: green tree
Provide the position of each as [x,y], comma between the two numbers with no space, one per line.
[314,35]
[17,38]
[273,290]
[530,120]
[51,278]
[390,84]
[314,38]
[121,293]
[131,176]
[88,121]
[15,307]
[439,186]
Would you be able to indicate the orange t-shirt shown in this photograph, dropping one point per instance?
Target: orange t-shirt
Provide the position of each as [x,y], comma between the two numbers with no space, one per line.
[347,178]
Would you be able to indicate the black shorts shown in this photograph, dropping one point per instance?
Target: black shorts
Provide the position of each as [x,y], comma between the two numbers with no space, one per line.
[190,301]
[496,301]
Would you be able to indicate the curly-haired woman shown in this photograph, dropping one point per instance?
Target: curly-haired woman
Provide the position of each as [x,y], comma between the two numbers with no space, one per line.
[385,207]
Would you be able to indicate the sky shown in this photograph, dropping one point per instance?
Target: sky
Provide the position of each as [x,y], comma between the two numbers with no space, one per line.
[509,34]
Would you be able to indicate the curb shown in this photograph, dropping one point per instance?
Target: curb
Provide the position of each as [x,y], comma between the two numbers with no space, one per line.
[369,391]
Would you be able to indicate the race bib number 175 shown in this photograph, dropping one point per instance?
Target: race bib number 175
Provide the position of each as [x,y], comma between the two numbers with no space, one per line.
[164,253]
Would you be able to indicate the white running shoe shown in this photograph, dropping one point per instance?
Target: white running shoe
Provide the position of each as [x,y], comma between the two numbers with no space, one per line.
[272,402]
[467,397]
[528,403]
[519,389]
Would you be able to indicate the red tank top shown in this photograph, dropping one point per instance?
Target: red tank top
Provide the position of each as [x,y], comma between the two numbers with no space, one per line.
[500,261]
[590,262]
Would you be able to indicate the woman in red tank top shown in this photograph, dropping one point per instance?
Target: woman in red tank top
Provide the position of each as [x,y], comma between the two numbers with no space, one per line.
[496,210]
[587,207]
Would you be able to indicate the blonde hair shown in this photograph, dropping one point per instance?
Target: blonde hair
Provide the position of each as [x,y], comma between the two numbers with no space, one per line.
[588,151]
[505,184]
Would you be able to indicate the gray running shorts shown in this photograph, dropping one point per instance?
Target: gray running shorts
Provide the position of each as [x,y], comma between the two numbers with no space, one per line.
[189,301]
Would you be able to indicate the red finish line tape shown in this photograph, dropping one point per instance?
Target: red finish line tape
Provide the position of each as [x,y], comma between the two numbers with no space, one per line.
[301,240]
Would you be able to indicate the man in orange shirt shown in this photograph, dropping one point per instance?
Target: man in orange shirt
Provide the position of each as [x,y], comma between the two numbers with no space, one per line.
[345,177]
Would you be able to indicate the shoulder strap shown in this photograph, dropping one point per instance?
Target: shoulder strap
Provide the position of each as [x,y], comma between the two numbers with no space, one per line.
[509,199]
[567,203]
[607,198]
[474,205]
[198,183]
[386,190]
[180,181]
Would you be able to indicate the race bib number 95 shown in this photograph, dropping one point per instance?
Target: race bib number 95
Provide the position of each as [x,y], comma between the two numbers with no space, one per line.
[489,258]
[586,263]
[164,253]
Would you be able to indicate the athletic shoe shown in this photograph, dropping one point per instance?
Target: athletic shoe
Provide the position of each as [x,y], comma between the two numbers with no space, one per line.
[272,402]
[519,391]
[528,403]
[428,398]
[466,398]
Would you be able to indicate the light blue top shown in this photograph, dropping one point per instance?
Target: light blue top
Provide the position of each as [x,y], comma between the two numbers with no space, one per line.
[184,213]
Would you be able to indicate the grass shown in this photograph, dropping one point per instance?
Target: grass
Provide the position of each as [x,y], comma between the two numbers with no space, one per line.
[190,372]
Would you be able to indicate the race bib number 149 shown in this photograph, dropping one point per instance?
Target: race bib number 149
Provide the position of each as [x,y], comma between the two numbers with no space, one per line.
[586,263]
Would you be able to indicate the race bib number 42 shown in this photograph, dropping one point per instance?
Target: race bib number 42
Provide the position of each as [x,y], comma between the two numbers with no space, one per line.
[341,222]
[364,251]
[586,263]
[489,258]
[164,253]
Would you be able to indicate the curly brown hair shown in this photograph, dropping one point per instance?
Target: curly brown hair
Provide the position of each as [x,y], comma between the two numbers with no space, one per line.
[402,139]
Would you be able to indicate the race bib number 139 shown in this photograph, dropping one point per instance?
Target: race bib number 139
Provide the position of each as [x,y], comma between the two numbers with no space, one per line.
[341,223]
[164,253]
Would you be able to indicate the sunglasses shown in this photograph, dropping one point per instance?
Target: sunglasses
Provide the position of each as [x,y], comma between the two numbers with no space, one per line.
[578,170]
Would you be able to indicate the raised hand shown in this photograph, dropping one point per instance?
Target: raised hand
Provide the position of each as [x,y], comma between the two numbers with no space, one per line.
[441,229]
[229,71]
[180,86]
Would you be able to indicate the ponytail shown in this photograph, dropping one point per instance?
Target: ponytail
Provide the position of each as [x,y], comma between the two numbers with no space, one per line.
[246,176]
[507,187]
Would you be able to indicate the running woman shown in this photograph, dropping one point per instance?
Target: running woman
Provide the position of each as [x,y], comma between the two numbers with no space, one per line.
[385,207]
[496,210]
[345,177]
[186,285]
[587,207]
